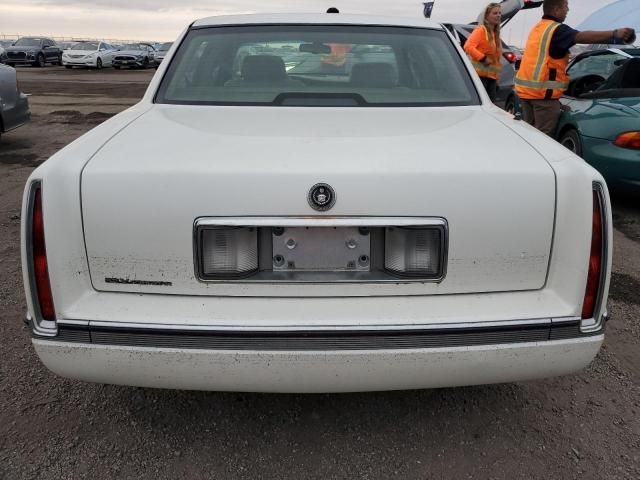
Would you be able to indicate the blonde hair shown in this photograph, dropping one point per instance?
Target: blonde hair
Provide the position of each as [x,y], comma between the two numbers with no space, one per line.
[489,28]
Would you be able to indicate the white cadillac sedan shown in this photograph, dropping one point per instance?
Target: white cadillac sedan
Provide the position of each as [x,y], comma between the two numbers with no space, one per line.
[88,54]
[323,206]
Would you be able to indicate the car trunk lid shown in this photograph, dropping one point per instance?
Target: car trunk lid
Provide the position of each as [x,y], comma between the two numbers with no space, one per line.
[143,191]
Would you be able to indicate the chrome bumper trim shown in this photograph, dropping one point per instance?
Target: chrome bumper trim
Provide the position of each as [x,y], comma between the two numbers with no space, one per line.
[311,328]
[325,338]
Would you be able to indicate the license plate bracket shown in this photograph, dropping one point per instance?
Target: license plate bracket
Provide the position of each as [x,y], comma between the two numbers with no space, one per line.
[321,249]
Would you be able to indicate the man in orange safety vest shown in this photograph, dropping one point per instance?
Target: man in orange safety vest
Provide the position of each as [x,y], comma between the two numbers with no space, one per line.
[542,78]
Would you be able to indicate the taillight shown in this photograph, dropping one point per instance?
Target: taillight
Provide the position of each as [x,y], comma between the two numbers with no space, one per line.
[40,268]
[628,140]
[596,258]
[510,56]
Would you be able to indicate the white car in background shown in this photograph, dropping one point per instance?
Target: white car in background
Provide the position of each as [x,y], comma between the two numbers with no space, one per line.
[88,54]
[345,224]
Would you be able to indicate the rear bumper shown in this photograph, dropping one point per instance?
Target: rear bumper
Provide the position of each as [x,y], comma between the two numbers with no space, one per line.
[316,371]
[79,63]
[317,360]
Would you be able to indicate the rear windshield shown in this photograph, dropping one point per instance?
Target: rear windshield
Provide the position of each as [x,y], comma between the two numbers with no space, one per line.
[302,65]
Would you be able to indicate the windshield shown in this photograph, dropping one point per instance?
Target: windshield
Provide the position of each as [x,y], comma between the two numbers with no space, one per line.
[292,65]
[132,46]
[84,46]
[28,42]
[165,47]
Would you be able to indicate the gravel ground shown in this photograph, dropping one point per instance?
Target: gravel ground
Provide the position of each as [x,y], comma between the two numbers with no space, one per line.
[583,426]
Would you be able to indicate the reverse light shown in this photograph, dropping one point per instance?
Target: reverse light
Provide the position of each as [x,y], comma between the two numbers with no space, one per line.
[628,140]
[39,255]
[596,257]
[229,252]
[415,252]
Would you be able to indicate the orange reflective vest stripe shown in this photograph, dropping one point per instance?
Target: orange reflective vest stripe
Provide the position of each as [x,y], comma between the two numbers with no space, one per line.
[541,77]
[481,43]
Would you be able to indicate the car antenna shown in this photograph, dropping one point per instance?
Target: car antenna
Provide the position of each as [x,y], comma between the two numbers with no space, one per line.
[333,10]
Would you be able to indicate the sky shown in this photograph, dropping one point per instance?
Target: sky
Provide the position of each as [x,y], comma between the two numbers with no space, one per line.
[163,20]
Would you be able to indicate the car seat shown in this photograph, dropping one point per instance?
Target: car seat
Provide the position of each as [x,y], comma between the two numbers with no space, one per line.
[626,76]
[631,74]
[373,75]
[263,70]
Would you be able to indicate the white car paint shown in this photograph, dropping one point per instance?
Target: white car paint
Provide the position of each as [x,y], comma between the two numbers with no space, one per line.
[519,214]
[317,372]
[89,58]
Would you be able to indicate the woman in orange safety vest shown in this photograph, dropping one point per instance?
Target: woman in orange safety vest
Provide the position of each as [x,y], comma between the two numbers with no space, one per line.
[484,48]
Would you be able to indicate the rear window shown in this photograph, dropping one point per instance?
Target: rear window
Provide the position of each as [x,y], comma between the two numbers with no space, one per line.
[302,65]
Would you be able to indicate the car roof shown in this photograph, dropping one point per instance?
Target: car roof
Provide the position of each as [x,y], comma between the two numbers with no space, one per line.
[317,18]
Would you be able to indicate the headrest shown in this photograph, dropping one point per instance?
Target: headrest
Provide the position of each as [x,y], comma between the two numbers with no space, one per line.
[373,74]
[263,68]
[631,74]
[625,76]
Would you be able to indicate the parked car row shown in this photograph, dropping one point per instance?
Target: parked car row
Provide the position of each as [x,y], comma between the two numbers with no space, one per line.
[39,51]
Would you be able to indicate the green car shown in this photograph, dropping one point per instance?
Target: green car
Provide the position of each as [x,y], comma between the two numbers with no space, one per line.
[601,121]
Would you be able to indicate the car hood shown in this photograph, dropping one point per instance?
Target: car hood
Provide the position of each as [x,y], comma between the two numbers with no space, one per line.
[80,52]
[140,198]
[22,49]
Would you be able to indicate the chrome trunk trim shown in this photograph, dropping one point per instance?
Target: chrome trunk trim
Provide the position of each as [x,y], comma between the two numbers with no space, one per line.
[275,277]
